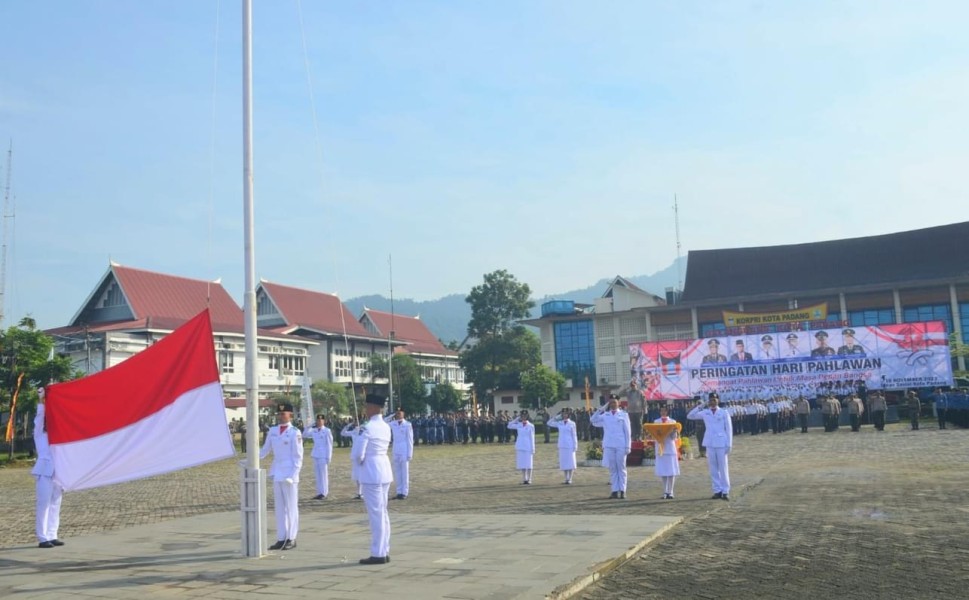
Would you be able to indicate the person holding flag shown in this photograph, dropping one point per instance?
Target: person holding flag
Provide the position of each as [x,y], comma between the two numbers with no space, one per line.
[49,492]
[667,465]
[286,445]
[370,452]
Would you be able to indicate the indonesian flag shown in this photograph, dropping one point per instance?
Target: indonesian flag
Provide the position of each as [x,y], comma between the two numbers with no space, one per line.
[159,411]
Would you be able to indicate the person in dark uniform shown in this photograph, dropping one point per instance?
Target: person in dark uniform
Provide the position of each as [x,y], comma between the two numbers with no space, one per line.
[822,349]
[741,355]
[713,356]
[850,346]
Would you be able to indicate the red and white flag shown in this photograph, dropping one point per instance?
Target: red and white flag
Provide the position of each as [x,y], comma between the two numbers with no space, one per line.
[159,411]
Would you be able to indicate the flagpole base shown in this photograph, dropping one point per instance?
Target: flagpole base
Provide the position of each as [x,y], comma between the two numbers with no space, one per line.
[253,490]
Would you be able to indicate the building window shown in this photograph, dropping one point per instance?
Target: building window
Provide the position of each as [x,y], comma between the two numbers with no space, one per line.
[227,362]
[714,329]
[872,316]
[507,399]
[928,312]
[575,350]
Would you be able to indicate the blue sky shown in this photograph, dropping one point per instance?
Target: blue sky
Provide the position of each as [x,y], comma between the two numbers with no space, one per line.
[546,138]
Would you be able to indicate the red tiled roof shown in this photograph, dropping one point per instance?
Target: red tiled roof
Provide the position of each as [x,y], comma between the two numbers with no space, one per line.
[171,300]
[408,329]
[313,310]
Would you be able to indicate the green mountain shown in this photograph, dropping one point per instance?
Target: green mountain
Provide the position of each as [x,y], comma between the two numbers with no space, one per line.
[448,317]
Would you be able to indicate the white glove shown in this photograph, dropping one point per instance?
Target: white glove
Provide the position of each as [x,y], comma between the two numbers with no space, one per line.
[288,480]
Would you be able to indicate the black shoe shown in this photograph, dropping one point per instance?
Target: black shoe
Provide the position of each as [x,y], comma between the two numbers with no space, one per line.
[622,495]
[724,497]
[613,495]
[373,560]
[387,558]
[318,497]
[528,482]
[57,542]
[399,497]
[279,544]
[45,545]
[717,496]
[289,545]
[358,497]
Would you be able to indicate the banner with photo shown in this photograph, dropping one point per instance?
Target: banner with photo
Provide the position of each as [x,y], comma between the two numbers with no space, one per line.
[737,367]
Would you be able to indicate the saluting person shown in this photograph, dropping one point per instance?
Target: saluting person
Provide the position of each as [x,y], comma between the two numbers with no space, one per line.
[322,454]
[616,444]
[568,443]
[524,445]
[286,445]
[718,441]
[402,433]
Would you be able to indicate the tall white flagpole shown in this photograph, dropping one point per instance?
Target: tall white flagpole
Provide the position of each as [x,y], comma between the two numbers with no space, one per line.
[253,478]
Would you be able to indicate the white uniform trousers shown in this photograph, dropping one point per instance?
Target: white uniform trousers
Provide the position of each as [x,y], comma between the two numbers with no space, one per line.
[322,470]
[615,460]
[48,508]
[375,499]
[401,474]
[287,509]
[719,473]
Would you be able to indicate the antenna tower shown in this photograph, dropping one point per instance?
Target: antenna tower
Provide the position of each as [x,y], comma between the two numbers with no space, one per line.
[3,250]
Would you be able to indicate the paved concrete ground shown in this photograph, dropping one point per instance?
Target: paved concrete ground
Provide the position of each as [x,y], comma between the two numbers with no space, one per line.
[870,515]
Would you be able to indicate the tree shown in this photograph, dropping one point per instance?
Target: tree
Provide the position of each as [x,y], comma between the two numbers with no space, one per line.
[333,399]
[444,398]
[25,349]
[504,348]
[541,387]
[957,349]
[408,385]
[497,304]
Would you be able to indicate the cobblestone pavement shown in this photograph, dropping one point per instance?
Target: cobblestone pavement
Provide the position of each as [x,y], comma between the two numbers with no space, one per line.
[867,515]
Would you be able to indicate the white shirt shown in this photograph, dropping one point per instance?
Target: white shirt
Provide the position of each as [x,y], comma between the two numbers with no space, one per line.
[322,442]
[719,429]
[287,450]
[525,441]
[568,439]
[370,449]
[402,433]
[615,429]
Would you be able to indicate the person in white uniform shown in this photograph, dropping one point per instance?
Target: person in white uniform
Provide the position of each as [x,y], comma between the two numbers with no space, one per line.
[285,443]
[322,454]
[350,431]
[370,452]
[668,465]
[616,443]
[524,445]
[402,433]
[568,443]
[718,441]
[49,492]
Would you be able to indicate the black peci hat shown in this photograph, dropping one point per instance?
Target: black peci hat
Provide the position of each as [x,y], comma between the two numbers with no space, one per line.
[376,400]
[284,407]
